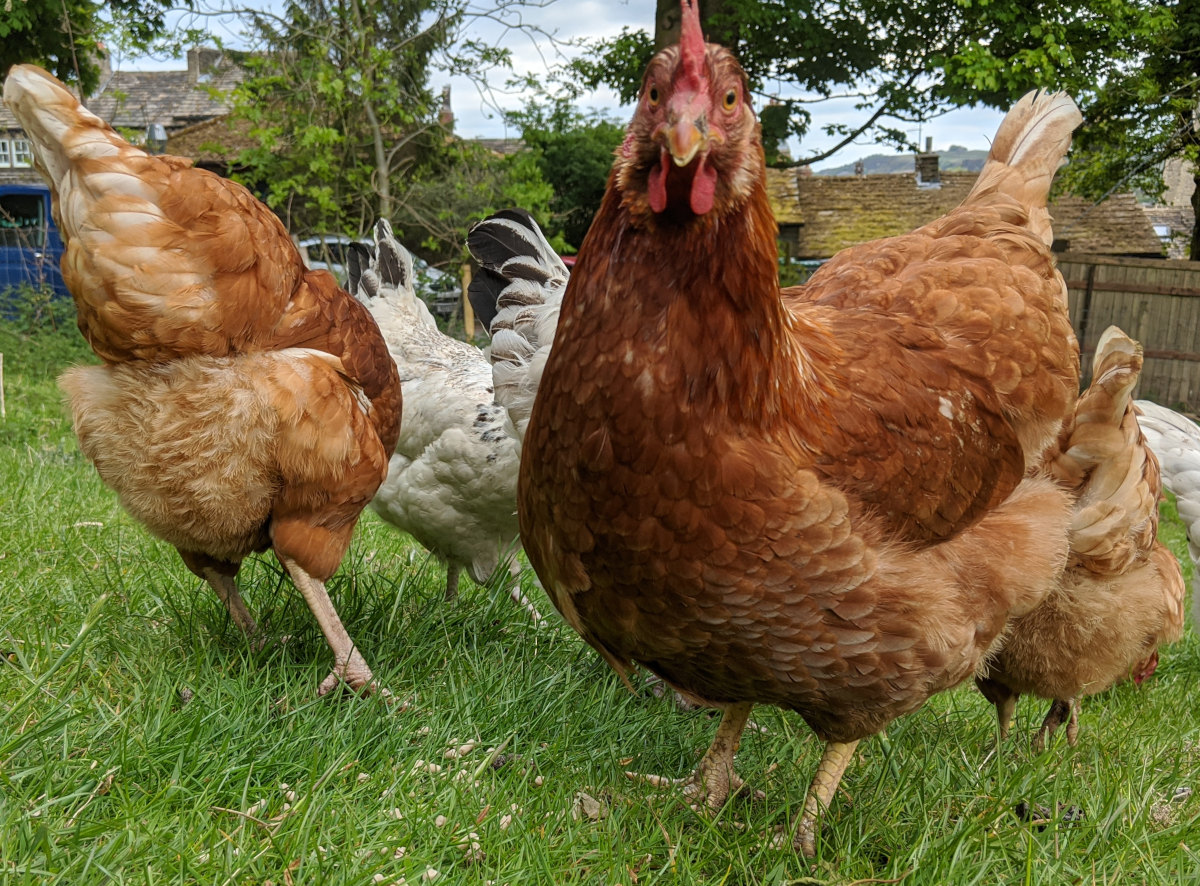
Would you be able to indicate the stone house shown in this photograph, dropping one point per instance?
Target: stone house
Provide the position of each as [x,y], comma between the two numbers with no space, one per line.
[819,215]
[146,106]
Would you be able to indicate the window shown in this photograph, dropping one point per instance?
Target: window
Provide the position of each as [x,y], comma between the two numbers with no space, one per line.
[5,153]
[22,155]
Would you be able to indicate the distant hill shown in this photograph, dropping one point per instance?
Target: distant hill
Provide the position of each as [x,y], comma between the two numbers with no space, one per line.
[955,159]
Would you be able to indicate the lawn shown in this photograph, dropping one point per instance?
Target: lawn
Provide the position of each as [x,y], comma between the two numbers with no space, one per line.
[143,741]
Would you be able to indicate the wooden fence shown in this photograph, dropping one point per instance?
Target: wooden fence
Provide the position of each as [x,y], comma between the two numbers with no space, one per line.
[1156,302]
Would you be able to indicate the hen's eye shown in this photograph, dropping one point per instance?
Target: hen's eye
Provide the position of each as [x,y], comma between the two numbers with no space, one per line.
[654,96]
[730,99]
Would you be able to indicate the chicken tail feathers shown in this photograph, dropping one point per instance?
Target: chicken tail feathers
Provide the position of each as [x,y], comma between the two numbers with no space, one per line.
[517,265]
[517,294]
[384,281]
[1106,460]
[1028,149]
[61,129]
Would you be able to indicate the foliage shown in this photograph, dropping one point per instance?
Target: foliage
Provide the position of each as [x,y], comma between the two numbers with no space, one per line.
[348,128]
[464,183]
[63,35]
[574,152]
[1144,113]
[902,62]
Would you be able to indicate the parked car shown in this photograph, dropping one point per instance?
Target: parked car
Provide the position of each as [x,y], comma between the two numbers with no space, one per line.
[440,290]
[30,246]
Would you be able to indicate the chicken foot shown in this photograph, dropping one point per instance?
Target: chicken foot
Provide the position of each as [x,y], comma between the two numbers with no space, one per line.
[220,576]
[820,794]
[1003,698]
[714,779]
[517,595]
[349,665]
[1060,711]
[453,571]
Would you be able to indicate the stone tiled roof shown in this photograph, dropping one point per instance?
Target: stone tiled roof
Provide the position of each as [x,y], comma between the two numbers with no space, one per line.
[213,142]
[135,99]
[829,213]
[502,146]
[1118,226]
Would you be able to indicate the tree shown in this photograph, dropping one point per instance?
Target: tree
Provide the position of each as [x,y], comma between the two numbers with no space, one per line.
[64,35]
[1144,114]
[902,62]
[348,129]
[574,152]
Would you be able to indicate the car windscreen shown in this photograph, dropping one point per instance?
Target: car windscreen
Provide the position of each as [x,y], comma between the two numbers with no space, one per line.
[22,220]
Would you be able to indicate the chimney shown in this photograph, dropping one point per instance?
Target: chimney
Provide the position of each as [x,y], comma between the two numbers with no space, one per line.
[928,175]
[446,114]
[202,62]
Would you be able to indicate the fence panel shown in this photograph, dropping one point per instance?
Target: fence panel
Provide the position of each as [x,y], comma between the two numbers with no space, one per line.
[1157,302]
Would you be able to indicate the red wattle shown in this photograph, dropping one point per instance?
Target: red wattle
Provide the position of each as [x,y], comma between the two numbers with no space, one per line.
[658,183]
[704,187]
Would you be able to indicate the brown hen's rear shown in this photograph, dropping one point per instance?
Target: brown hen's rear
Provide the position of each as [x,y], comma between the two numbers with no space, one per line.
[814,498]
[244,401]
[1123,592]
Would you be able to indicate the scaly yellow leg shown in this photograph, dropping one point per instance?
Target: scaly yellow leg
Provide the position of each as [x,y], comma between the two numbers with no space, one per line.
[820,794]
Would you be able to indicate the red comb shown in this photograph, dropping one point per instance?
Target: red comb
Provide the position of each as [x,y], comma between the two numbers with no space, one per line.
[691,43]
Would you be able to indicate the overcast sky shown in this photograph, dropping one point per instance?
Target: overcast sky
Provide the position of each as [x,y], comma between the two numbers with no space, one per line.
[475,114]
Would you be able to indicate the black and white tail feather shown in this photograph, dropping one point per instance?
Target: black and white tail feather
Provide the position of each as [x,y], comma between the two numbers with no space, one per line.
[386,274]
[517,294]
[1175,441]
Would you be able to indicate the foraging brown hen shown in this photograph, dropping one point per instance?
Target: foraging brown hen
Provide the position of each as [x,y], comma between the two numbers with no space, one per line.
[244,402]
[1122,594]
[810,498]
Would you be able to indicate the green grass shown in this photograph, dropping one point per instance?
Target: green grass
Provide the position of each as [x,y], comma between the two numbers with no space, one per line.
[143,741]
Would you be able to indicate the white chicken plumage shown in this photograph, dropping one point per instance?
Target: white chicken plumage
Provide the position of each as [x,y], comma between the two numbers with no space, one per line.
[451,481]
[1175,441]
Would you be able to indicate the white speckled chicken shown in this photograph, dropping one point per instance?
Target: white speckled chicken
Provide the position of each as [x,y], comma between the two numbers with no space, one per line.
[452,478]
[1175,441]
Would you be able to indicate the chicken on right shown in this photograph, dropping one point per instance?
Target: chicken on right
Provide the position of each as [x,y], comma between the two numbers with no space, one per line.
[1122,594]
[1175,441]
[816,498]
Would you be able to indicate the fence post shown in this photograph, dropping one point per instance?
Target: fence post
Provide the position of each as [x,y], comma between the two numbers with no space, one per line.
[468,311]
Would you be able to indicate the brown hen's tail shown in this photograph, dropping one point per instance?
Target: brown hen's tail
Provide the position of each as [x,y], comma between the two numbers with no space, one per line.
[1105,459]
[62,130]
[1030,145]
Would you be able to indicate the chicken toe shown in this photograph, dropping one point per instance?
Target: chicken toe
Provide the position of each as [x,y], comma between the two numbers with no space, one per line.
[714,779]
[353,672]
[349,665]
[1061,711]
